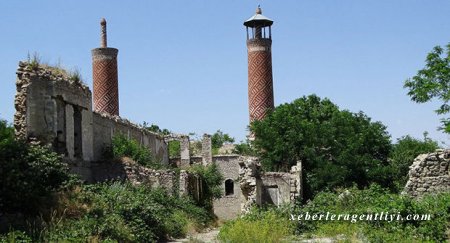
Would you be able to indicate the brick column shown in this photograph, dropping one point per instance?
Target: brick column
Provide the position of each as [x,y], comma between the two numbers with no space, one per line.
[104,69]
[260,80]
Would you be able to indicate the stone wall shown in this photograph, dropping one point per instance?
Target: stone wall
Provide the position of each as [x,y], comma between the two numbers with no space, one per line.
[106,126]
[429,173]
[56,109]
[229,206]
[276,188]
[127,169]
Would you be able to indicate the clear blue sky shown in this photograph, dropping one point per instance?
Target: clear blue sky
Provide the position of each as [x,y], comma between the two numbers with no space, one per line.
[183,64]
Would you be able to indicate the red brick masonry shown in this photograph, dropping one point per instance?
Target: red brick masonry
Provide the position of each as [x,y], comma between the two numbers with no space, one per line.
[106,88]
[260,81]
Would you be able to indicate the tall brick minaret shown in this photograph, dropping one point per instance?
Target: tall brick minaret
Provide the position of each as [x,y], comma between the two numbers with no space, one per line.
[260,80]
[104,69]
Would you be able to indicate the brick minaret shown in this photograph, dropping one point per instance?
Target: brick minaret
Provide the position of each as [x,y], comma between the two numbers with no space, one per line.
[260,81]
[104,69]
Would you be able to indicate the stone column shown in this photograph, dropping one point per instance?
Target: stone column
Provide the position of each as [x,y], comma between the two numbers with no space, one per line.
[206,150]
[185,159]
[296,182]
[105,77]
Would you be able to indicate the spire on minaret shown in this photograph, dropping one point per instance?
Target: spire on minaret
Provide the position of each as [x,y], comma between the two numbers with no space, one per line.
[103,41]
[259,10]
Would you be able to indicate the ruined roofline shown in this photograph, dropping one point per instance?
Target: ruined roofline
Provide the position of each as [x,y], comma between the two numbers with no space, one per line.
[50,73]
[126,122]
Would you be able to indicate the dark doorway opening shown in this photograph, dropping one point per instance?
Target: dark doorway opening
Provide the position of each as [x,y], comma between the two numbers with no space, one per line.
[229,187]
[77,132]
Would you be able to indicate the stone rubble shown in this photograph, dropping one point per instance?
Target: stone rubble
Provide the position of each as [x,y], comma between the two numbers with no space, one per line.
[429,174]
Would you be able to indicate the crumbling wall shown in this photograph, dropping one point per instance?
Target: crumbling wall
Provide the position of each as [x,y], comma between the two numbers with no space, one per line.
[191,184]
[127,169]
[229,206]
[106,126]
[429,173]
[274,188]
[56,109]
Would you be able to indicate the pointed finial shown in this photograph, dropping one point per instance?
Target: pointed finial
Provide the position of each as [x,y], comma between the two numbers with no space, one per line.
[103,41]
[258,10]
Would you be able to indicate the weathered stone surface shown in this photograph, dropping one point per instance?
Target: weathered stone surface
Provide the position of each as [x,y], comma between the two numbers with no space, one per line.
[206,149]
[429,173]
[56,109]
[127,169]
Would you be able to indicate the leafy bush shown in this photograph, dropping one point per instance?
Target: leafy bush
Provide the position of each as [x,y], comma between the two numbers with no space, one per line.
[174,149]
[212,180]
[244,148]
[271,225]
[15,237]
[403,154]
[377,200]
[218,139]
[125,213]
[28,173]
[337,147]
[124,147]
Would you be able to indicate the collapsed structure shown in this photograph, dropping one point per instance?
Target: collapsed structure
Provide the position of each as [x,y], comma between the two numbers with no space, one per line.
[58,110]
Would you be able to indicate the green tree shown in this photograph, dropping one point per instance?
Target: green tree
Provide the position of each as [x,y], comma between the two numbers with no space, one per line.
[433,81]
[218,139]
[337,148]
[155,128]
[403,154]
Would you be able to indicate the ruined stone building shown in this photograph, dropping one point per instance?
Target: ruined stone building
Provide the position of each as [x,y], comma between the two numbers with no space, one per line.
[57,109]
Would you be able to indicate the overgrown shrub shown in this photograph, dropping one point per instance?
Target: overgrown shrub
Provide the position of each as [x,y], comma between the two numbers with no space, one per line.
[377,200]
[244,148]
[174,149]
[270,225]
[212,180]
[403,154]
[124,147]
[15,237]
[125,213]
[29,173]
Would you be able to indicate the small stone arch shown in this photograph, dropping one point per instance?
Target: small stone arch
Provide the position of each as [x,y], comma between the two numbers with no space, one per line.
[229,187]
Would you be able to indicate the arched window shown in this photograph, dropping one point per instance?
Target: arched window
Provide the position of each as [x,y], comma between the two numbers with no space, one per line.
[229,187]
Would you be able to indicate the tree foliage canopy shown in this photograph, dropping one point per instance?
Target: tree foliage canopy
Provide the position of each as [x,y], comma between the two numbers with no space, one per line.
[433,81]
[336,147]
[403,154]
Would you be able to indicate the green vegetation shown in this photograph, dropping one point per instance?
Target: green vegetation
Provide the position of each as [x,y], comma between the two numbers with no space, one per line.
[376,200]
[34,61]
[433,81]
[260,225]
[29,173]
[337,147]
[48,204]
[156,129]
[124,213]
[75,76]
[124,147]
[174,149]
[244,148]
[218,139]
[403,154]
[212,181]
[277,224]
[117,212]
